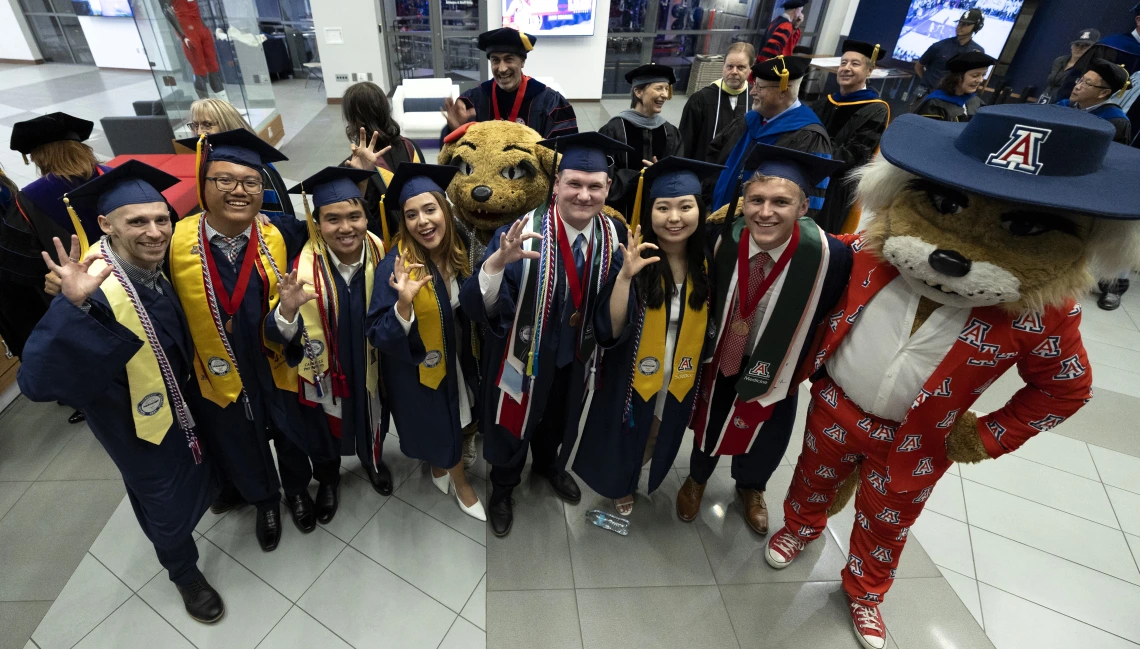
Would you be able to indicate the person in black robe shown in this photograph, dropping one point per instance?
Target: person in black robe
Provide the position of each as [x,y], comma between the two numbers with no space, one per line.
[87,352]
[540,353]
[1121,49]
[711,109]
[652,320]
[510,94]
[956,98]
[264,408]
[417,323]
[855,118]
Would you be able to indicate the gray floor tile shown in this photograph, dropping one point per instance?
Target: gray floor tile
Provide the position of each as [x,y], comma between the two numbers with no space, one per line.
[475,610]
[536,553]
[914,561]
[297,630]
[82,458]
[134,626]
[660,550]
[426,553]
[419,492]
[290,569]
[125,550]
[46,534]
[89,597]
[10,492]
[18,620]
[31,435]
[677,617]
[464,635]
[252,607]
[369,607]
[927,613]
[209,519]
[810,614]
[359,502]
[737,553]
[533,618]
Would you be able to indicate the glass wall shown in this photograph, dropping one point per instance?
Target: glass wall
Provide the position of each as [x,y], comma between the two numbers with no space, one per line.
[435,38]
[291,23]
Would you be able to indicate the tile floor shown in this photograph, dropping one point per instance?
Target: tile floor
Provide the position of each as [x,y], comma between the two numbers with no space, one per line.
[1038,549]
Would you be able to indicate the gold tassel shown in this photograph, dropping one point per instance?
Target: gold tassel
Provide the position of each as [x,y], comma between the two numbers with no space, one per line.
[1127,82]
[79,231]
[384,224]
[783,74]
[635,218]
[198,172]
[875,55]
[314,231]
[530,364]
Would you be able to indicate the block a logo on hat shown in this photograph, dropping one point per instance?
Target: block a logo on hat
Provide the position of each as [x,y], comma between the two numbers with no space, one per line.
[1023,150]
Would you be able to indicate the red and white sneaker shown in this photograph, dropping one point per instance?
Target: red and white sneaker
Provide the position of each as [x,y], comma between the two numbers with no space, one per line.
[783,548]
[869,626]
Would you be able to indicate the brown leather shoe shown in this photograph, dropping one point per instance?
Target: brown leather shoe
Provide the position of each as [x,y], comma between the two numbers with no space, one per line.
[689,500]
[755,510]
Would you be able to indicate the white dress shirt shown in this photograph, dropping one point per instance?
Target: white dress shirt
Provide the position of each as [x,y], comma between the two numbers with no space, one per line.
[489,284]
[880,365]
[288,328]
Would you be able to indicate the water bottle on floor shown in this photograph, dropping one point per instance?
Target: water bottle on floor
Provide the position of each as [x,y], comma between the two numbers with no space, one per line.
[611,522]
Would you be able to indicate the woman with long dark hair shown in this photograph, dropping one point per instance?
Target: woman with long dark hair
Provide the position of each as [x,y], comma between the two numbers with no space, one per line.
[956,98]
[368,122]
[652,318]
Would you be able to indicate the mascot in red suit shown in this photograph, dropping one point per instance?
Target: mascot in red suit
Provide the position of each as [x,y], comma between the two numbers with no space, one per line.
[981,238]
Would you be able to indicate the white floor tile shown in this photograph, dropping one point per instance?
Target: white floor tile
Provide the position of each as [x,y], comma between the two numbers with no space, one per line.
[1116,468]
[1134,545]
[1045,485]
[1091,313]
[1107,355]
[359,502]
[967,591]
[1117,380]
[92,594]
[1014,623]
[1060,452]
[946,499]
[1082,593]
[1127,506]
[134,626]
[946,540]
[252,607]
[299,631]
[464,635]
[125,550]
[1127,337]
[476,608]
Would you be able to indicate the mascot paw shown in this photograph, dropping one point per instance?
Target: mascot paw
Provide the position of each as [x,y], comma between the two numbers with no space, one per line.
[963,443]
[846,490]
[718,216]
[616,215]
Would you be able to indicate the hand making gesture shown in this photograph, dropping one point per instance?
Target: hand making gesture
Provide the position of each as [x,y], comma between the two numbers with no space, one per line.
[511,247]
[457,112]
[364,156]
[633,262]
[76,283]
[406,287]
[293,294]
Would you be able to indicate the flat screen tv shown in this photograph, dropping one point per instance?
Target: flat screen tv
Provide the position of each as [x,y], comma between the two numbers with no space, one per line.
[550,17]
[111,8]
[929,21]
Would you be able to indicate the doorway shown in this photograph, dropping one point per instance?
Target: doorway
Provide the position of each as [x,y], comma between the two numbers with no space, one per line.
[57,31]
[435,38]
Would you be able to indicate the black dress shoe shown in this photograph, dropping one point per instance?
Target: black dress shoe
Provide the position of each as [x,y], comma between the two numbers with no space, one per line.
[301,507]
[381,479]
[565,486]
[225,502]
[269,527]
[203,603]
[327,502]
[76,417]
[502,515]
[1109,301]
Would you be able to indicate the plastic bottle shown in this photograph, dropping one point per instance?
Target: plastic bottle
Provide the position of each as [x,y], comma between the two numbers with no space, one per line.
[611,522]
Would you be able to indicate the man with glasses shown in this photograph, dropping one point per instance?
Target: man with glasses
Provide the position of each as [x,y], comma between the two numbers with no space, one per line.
[711,109]
[1096,92]
[228,269]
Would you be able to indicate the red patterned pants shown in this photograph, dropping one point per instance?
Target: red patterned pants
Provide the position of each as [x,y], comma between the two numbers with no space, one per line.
[839,439]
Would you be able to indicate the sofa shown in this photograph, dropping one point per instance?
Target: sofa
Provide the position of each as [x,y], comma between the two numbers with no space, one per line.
[415,107]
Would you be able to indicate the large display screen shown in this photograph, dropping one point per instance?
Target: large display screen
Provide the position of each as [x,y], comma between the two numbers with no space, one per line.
[550,17]
[115,8]
[929,21]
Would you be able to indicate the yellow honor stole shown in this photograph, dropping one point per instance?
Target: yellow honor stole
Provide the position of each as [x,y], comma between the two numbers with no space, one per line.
[214,362]
[429,314]
[648,376]
[313,266]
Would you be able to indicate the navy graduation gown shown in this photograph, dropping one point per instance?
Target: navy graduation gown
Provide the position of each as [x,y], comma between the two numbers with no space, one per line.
[612,446]
[80,359]
[427,421]
[499,446]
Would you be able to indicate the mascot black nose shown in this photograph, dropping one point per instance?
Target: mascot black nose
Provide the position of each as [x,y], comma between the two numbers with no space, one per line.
[482,193]
[949,263]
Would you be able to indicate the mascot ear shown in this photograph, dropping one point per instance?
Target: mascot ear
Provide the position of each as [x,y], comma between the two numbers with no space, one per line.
[545,159]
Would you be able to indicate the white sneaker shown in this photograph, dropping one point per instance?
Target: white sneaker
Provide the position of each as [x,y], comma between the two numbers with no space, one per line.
[470,454]
[869,626]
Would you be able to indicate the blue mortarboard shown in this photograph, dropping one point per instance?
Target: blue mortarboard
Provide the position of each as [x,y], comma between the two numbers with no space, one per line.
[585,151]
[332,185]
[804,169]
[131,183]
[238,146]
[412,179]
[675,176]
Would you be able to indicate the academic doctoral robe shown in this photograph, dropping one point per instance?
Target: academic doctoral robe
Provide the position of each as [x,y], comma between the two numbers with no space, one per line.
[80,360]
[707,113]
[25,232]
[543,109]
[660,142]
[855,123]
[1112,114]
[938,105]
[47,194]
[427,420]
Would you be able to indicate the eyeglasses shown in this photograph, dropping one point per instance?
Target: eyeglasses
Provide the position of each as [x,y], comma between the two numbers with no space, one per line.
[1082,82]
[196,126]
[227,184]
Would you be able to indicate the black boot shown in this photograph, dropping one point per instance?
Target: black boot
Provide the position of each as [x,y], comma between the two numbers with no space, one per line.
[328,500]
[268,527]
[229,498]
[301,507]
[203,603]
[1110,293]
[381,478]
[501,512]
[564,485]
[76,417]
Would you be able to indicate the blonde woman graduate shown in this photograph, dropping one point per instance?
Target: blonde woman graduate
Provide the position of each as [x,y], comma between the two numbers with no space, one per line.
[652,319]
[425,339]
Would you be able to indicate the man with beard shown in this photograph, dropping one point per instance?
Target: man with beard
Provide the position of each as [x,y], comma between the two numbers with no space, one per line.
[711,109]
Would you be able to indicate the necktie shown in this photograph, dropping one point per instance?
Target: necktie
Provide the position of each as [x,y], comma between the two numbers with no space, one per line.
[732,354]
[580,255]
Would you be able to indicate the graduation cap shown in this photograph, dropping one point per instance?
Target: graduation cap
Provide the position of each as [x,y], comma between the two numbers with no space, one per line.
[793,4]
[1116,76]
[804,169]
[585,151]
[651,73]
[671,177]
[1089,36]
[332,185]
[131,183]
[238,146]
[410,180]
[967,61]
[45,129]
[866,49]
[782,69]
[506,40]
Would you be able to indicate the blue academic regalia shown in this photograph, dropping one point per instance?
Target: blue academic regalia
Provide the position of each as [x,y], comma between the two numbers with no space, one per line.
[427,421]
[47,193]
[80,359]
[613,445]
[499,446]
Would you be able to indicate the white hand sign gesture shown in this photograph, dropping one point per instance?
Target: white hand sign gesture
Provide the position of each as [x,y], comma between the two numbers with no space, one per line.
[76,283]
[457,112]
[364,156]
[293,294]
[511,247]
[406,287]
[632,261]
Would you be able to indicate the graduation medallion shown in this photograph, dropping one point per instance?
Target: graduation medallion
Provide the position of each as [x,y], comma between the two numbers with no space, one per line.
[740,327]
[230,326]
[575,319]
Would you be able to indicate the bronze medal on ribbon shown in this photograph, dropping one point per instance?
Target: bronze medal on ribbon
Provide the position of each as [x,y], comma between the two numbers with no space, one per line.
[740,327]
[576,319]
